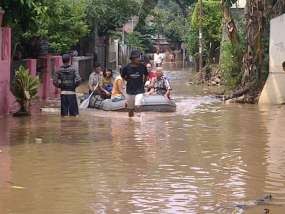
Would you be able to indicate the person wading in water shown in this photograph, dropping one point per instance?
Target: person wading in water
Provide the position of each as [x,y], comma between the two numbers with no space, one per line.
[135,74]
[67,79]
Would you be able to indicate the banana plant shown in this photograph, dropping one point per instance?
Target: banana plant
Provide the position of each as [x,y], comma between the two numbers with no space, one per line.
[24,88]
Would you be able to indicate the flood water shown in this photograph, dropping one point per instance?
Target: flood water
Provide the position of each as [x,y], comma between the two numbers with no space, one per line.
[208,157]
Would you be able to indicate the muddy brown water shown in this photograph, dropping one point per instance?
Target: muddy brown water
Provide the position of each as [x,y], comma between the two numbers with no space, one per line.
[205,158]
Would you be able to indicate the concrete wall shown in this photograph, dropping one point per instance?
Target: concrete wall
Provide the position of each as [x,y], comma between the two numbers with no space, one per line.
[6,97]
[274,89]
[49,65]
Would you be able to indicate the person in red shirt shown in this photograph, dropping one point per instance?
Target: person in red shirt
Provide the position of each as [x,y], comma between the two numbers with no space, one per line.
[151,72]
[151,76]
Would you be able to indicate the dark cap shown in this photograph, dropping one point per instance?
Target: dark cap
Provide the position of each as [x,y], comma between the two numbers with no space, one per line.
[65,58]
[135,54]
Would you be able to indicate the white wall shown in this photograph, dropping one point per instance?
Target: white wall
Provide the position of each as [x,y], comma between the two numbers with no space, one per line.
[274,89]
[277,43]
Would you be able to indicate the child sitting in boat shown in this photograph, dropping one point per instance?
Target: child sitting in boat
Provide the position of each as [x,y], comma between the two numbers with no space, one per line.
[151,76]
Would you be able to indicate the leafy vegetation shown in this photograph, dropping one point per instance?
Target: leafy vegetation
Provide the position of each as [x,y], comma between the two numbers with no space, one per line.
[164,17]
[231,56]
[135,41]
[24,88]
[211,28]
[107,16]
[169,23]
[230,66]
[61,22]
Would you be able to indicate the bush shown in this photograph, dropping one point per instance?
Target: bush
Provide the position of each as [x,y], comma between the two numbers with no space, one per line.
[25,88]
[230,65]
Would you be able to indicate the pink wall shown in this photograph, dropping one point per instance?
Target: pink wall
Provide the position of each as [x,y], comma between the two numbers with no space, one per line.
[51,64]
[6,97]
[46,90]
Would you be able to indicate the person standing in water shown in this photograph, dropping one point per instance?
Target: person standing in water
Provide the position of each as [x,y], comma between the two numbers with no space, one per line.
[67,79]
[157,59]
[135,74]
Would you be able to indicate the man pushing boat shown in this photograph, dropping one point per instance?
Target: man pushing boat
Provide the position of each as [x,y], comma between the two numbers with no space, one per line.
[135,74]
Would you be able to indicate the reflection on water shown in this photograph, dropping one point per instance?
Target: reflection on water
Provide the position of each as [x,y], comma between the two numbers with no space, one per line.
[205,158]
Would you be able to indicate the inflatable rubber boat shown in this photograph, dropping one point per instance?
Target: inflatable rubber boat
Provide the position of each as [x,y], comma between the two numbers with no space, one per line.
[156,103]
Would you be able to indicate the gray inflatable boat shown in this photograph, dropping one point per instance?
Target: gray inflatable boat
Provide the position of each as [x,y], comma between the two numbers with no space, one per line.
[156,103]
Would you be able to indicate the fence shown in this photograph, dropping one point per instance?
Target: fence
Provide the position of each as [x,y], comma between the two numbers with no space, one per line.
[84,64]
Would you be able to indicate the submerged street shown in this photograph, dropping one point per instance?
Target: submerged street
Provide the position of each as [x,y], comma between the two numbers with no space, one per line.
[208,157]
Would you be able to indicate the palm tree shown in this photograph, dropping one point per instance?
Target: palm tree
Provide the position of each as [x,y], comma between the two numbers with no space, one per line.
[24,88]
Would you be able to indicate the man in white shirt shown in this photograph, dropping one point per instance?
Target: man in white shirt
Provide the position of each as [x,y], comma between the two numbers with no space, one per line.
[158,59]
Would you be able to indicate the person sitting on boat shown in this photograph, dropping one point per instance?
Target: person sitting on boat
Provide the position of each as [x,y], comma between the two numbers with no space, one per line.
[106,84]
[160,85]
[151,76]
[151,72]
[118,91]
[94,79]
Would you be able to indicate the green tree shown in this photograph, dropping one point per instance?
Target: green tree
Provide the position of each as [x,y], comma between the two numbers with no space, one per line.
[61,22]
[66,23]
[170,23]
[184,6]
[107,16]
[135,40]
[166,18]
[19,16]
[211,27]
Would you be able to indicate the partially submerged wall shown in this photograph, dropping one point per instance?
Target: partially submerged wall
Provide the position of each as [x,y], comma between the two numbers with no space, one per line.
[6,97]
[274,89]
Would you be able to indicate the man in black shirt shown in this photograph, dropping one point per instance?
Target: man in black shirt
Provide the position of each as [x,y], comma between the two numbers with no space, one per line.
[134,74]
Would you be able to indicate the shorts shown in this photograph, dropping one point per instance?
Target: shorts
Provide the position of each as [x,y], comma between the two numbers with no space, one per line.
[69,106]
[134,100]
[158,64]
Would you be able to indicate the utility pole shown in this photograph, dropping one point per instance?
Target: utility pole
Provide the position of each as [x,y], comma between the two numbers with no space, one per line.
[200,38]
